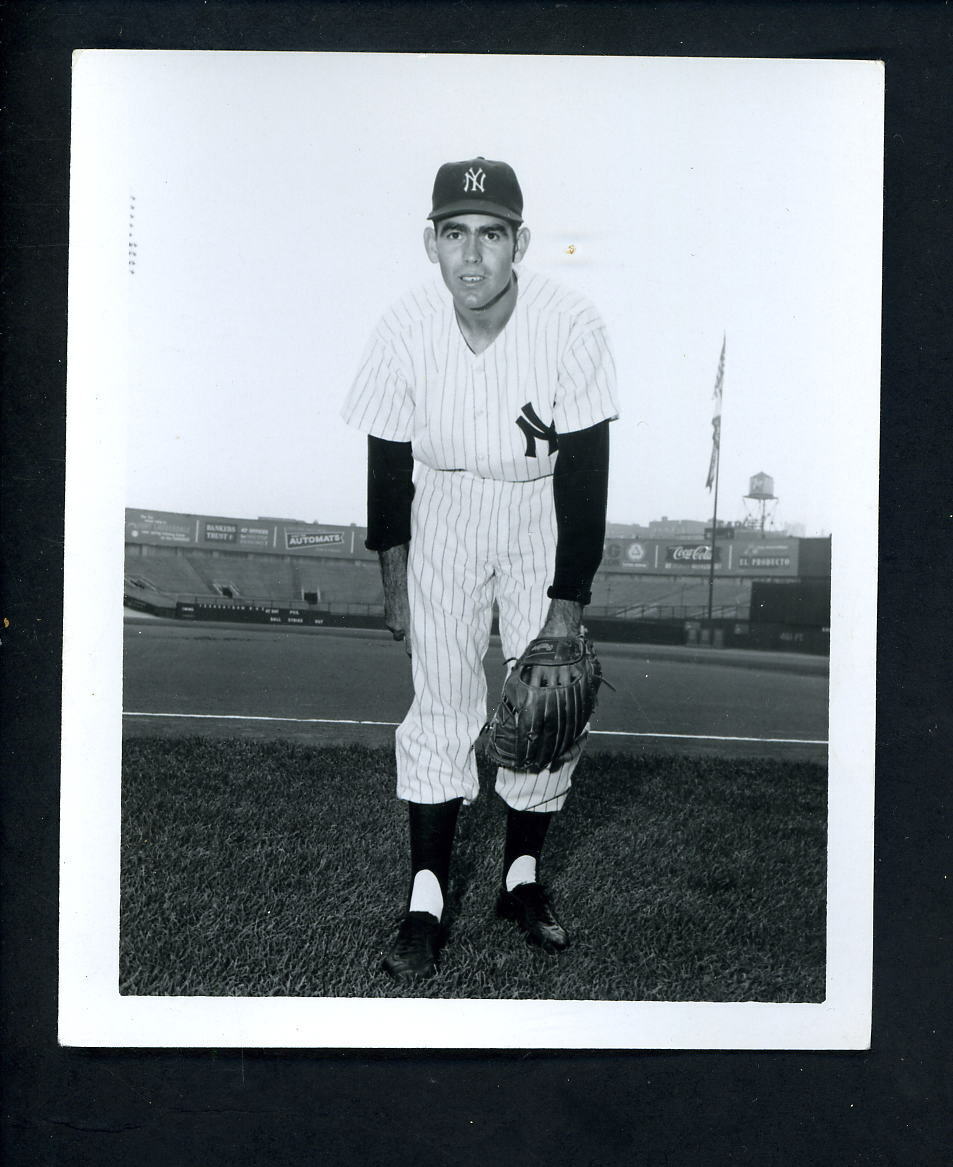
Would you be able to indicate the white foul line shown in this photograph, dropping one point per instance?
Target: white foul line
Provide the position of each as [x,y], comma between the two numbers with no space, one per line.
[710,737]
[698,737]
[253,717]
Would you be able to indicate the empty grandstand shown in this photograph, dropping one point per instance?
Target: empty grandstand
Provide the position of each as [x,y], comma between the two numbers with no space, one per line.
[645,597]
[284,571]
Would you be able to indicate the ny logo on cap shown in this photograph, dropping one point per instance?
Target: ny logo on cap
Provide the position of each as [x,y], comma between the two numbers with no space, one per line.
[474,179]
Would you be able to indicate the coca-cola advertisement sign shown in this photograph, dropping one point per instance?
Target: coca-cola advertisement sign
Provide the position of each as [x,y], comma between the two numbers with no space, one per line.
[690,555]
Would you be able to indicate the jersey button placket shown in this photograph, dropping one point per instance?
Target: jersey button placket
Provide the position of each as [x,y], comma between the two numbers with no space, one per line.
[479,415]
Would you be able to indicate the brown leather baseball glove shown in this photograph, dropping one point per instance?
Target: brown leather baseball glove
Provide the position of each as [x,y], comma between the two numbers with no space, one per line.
[534,725]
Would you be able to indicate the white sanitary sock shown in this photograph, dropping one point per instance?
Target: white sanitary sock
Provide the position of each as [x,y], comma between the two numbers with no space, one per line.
[426,896]
[522,870]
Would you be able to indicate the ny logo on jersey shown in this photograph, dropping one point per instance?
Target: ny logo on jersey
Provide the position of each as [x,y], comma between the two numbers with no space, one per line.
[474,179]
[532,426]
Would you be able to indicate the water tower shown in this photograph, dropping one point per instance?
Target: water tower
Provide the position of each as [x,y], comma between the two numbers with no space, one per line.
[760,501]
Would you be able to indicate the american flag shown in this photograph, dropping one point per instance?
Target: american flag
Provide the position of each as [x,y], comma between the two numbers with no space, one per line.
[716,418]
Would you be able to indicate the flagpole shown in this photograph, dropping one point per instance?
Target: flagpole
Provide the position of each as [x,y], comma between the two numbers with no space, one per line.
[714,529]
[714,470]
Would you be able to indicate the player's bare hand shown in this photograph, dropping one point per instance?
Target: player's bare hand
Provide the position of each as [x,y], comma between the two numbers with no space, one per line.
[396,604]
[397,620]
[563,619]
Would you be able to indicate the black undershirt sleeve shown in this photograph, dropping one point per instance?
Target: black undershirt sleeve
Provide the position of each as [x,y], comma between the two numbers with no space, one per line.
[390,488]
[580,487]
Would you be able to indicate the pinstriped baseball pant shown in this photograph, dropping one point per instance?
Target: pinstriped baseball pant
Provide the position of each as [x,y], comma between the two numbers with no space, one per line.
[472,540]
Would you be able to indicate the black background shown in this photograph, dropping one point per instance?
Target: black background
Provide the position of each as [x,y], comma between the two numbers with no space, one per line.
[888,1106]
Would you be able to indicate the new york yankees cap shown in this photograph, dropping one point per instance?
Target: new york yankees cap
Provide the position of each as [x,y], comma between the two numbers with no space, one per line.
[477,186]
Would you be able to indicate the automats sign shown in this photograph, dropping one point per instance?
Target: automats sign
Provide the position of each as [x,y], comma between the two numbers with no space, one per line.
[297,540]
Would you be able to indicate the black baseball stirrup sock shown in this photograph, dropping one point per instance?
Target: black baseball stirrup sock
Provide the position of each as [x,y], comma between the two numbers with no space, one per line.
[431,838]
[525,832]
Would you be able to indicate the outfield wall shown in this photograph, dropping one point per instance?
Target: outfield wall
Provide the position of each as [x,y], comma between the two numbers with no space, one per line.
[738,552]
[719,633]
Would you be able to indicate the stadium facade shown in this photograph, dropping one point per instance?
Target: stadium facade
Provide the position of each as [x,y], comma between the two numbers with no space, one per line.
[770,590]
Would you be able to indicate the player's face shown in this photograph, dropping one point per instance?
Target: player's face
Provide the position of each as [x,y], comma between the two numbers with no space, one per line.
[476,254]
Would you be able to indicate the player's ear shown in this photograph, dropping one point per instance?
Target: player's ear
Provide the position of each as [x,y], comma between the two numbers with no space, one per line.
[522,243]
[430,243]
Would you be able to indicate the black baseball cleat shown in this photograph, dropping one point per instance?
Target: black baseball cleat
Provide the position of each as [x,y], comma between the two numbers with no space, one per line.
[529,905]
[414,955]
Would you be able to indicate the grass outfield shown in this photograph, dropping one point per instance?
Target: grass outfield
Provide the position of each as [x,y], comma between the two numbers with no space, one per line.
[273,869]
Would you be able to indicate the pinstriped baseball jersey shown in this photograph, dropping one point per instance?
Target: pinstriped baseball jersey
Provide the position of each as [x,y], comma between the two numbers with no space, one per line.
[495,414]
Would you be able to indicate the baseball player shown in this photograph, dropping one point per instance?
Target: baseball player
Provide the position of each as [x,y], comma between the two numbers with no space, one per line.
[486,397]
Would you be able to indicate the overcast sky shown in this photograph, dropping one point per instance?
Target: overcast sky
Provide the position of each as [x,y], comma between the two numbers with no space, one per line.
[276,207]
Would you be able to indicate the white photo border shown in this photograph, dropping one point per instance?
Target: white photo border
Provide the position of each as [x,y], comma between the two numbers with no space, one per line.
[92,1013]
